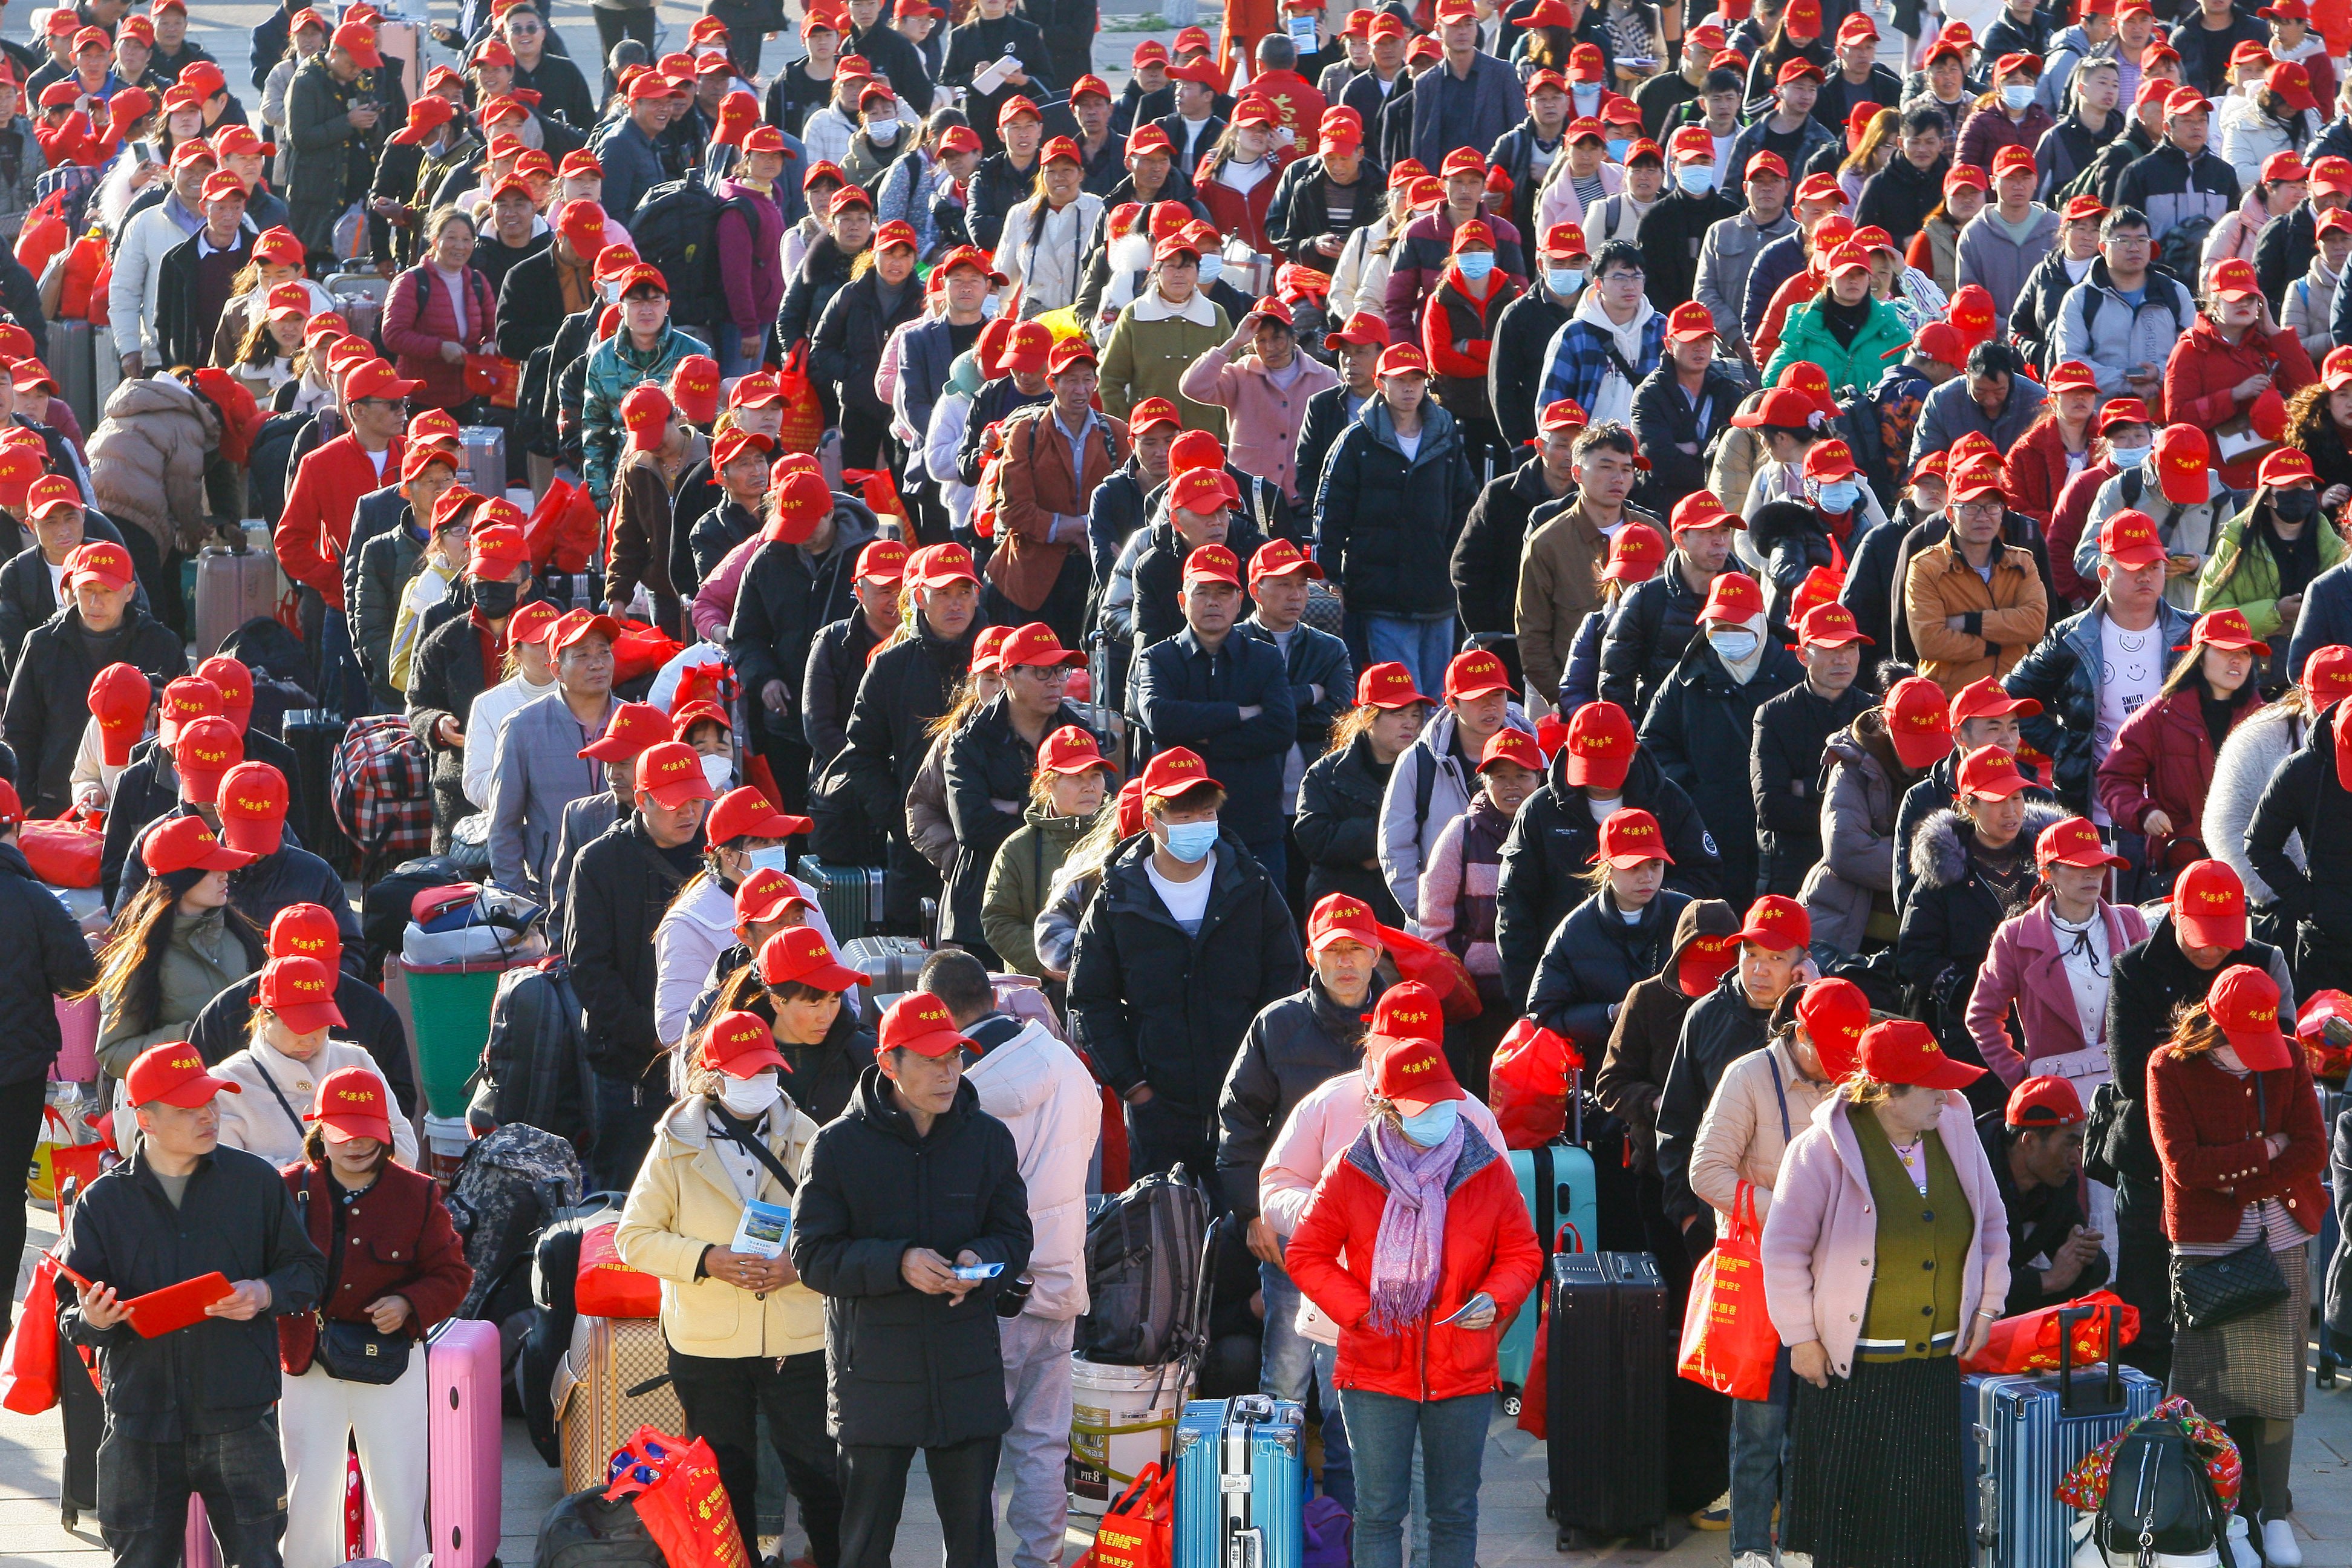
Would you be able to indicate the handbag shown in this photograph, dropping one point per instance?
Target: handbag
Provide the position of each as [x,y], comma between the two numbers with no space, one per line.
[2220,1290]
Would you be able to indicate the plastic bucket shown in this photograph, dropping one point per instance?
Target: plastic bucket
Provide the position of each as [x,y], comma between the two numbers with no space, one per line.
[1122,1418]
[445,1138]
[451,1009]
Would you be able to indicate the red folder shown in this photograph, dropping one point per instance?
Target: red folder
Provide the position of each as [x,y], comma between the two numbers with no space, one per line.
[160,1312]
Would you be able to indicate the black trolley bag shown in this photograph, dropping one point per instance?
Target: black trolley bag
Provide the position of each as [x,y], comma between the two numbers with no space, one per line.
[1612,1363]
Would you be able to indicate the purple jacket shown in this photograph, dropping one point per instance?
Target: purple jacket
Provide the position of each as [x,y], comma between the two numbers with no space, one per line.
[2023,969]
[751,265]
[418,320]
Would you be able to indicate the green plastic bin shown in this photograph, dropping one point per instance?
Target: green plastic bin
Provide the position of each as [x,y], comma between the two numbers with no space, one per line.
[450,1004]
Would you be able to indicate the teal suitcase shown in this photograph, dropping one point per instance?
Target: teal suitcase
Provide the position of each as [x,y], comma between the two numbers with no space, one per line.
[1241,1484]
[1557,1183]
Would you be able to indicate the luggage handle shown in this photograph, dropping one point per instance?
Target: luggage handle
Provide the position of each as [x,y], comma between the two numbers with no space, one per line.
[2067,1318]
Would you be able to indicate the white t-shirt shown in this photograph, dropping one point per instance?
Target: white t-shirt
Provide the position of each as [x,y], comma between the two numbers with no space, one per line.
[1187,901]
[2131,669]
[1411,445]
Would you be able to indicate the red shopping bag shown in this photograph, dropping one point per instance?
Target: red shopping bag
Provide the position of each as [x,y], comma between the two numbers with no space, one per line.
[495,377]
[1136,1530]
[677,1493]
[2029,1341]
[1534,1071]
[44,234]
[803,426]
[561,532]
[28,1364]
[1728,1341]
[608,1288]
[874,487]
[1437,968]
[641,650]
[65,851]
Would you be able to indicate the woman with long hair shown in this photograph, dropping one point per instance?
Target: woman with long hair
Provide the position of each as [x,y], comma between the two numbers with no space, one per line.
[2232,354]
[276,261]
[2280,185]
[1042,252]
[1055,929]
[1065,799]
[2236,1123]
[176,946]
[1914,296]
[1891,1176]
[302,42]
[2266,118]
[1622,933]
[1787,38]
[929,826]
[1359,280]
[1635,556]
[2268,553]
[2057,445]
[1935,249]
[660,446]
[1238,177]
[270,355]
[2052,966]
[846,349]
[526,674]
[395,1271]
[1869,152]
[2154,778]
[943,156]
[1339,797]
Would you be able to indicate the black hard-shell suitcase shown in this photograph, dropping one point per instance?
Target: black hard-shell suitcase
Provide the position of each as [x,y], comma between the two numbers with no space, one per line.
[84,1410]
[1611,1356]
[312,734]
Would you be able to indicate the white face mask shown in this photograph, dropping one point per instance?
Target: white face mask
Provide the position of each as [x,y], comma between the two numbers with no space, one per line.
[1734,644]
[1131,253]
[882,132]
[775,858]
[989,305]
[2128,457]
[2016,98]
[720,769]
[749,1097]
[1213,267]
[609,292]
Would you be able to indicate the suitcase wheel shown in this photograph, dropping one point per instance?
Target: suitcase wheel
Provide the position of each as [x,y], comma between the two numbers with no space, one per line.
[2325,1375]
[1656,1539]
[1511,1403]
[68,1516]
[1570,1539]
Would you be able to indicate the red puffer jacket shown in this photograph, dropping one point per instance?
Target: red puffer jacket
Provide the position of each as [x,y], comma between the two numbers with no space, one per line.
[2162,760]
[1490,1246]
[2205,369]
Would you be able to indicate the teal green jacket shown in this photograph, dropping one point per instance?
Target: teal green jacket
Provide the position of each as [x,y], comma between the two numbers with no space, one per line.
[614,368]
[1806,336]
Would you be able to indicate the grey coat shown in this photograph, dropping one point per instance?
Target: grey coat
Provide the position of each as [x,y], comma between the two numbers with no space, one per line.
[539,772]
[2262,740]
[1723,257]
[1858,807]
[1990,257]
[1949,413]
[2097,326]
[584,821]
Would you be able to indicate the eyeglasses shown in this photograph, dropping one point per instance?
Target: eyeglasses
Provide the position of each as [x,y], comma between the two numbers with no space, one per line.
[1980,510]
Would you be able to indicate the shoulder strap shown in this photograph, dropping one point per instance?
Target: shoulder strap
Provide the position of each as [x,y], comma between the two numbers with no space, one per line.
[299,1130]
[757,1151]
[1425,788]
[1781,1095]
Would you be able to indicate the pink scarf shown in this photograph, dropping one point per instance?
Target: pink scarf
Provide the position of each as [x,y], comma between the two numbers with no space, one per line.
[1413,1224]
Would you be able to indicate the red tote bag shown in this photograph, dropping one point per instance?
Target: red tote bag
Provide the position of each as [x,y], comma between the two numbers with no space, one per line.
[1728,1341]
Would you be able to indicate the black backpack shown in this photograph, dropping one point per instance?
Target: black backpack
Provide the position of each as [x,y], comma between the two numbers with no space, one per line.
[2182,245]
[383,907]
[2159,1501]
[268,462]
[1147,1274]
[584,1530]
[676,228]
[535,1058]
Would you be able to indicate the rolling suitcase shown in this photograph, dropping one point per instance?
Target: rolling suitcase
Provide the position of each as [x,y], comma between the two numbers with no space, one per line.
[892,961]
[852,895]
[462,1442]
[73,359]
[1557,1183]
[483,461]
[1611,1360]
[235,584]
[614,1380]
[312,734]
[2027,1431]
[198,1550]
[83,1408]
[1241,1483]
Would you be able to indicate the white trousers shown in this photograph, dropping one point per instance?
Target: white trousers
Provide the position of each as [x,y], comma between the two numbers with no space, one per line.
[315,1416]
[1037,1387]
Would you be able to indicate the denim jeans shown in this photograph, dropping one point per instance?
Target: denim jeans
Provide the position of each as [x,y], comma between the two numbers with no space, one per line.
[1381,1432]
[1423,646]
[1760,1436]
[1290,1360]
[143,1488]
[729,349]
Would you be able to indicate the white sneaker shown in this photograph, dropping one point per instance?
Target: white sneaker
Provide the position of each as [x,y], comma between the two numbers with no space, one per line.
[2279,1548]
[1796,1560]
[2242,1545]
[1751,1560]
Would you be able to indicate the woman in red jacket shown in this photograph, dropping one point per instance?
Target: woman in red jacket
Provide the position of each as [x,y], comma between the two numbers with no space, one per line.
[394,1269]
[1237,179]
[1457,333]
[2233,353]
[441,311]
[2056,445]
[2239,1135]
[2154,778]
[1417,1245]
[2008,116]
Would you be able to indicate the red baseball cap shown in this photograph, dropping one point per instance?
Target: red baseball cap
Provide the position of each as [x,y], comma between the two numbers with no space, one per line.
[185,843]
[1733,596]
[634,727]
[1836,1013]
[2208,905]
[1509,745]
[1986,698]
[1918,721]
[1904,1051]
[1204,491]
[671,773]
[2074,842]
[204,751]
[1176,772]
[1989,773]
[1212,562]
[884,561]
[2289,465]
[171,1074]
[2245,1002]
[1412,1074]
[1704,960]
[1777,923]
[252,799]
[102,562]
[920,1022]
[1631,837]
[1279,557]
[741,1043]
[2327,676]
[1828,625]
[2129,538]
[186,700]
[1070,750]
[764,896]
[302,992]
[1600,747]
[2184,461]
[2045,1101]
[1035,644]
[941,567]
[1390,685]
[745,813]
[1475,673]
[1341,917]
[2225,630]
[118,700]
[351,1104]
[1635,556]
[306,931]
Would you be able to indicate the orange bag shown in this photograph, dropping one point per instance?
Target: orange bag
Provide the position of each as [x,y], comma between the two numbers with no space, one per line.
[45,233]
[2029,1341]
[1533,1074]
[65,851]
[84,262]
[1437,968]
[678,1495]
[1136,1530]
[803,426]
[1728,1341]
[608,1288]
[874,487]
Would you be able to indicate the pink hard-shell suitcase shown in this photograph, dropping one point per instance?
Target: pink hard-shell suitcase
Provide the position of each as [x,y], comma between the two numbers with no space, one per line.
[462,1442]
[78,1031]
[199,1551]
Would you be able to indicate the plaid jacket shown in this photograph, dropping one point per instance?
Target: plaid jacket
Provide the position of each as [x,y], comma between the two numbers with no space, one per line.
[1580,357]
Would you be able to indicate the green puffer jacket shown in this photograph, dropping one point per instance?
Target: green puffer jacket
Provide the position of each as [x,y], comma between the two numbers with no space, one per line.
[1018,881]
[2237,578]
[1807,337]
[614,368]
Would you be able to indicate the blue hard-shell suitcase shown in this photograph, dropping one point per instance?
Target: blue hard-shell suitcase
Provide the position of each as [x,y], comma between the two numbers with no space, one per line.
[2027,1431]
[1241,1483]
[1561,1190]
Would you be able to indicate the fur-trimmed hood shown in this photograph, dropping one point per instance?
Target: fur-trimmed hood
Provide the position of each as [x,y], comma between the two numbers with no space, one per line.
[1940,858]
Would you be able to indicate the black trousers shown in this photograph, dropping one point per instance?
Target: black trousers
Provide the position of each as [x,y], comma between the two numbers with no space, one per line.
[143,1489]
[724,1398]
[2144,1273]
[20,1129]
[613,26]
[1159,1137]
[963,1492]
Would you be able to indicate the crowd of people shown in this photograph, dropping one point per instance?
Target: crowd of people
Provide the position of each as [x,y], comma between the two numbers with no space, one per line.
[1271,574]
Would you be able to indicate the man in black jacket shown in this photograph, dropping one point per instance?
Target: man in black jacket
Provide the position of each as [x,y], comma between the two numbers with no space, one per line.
[1523,335]
[2176,965]
[1656,621]
[1486,566]
[1228,697]
[838,655]
[1322,680]
[2206,37]
[910,1219]
[48,693]
[1791,737]
[1299,221]
[1356,350]
[187,1411]
[194,278]
[1681,405]
[1185,943]
[562,91]
[1673,231]
[225,1026]
[620,886]
[53,959]
[2036,1147]
[531,303]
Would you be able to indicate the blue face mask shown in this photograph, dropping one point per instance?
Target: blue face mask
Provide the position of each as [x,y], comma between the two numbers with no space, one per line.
[1617,145]
[1586,94]
[2016,98]
[1432,1126]
[1212,268]
[1475,265]
[1191,841]
[775,858]
[1696,178]
[2128,457]
[1839,495]
[1564,280]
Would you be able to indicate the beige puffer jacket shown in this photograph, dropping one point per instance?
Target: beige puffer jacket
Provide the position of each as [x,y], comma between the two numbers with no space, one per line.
[1742,1136]
[147,460]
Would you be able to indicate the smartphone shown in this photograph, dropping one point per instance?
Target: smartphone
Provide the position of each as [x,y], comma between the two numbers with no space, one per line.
[977,1271]
[146,151]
